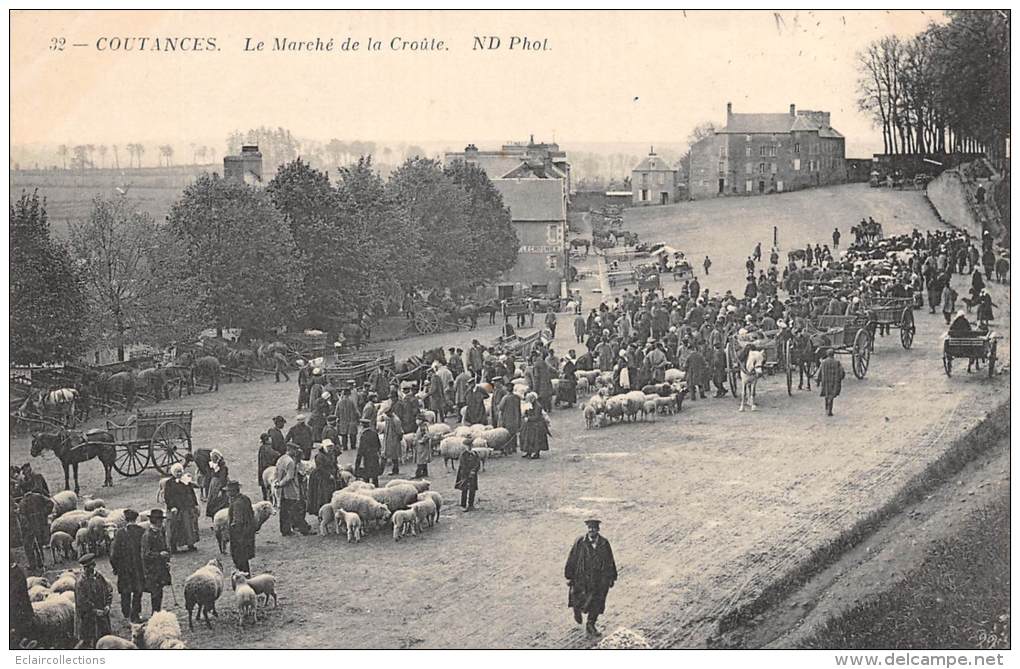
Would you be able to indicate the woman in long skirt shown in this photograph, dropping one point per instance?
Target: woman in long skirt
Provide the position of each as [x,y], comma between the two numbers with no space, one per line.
[182,509]
[217,484]
[535,431]
[322,482]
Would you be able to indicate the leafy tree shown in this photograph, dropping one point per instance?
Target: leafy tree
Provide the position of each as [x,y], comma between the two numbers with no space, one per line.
[240,252]
[491,239]
[48,307]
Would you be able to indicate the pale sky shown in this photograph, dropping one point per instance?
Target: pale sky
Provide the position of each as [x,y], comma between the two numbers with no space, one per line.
[682,70]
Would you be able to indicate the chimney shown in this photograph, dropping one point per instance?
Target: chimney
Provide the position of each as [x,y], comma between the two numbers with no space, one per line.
[793,110]
[729,110]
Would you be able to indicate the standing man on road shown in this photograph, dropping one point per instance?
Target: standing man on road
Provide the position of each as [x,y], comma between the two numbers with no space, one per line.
[830,379]
[835,238]
[155,559]
[590,573]
[126,561]
[280,366]
[467,476]
[707,264]
[304,381]
[292,512]
[550,321]
[241,526]
[756,256]
[92,599]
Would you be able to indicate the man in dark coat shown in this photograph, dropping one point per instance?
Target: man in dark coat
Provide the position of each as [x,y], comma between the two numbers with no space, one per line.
[511,418]
[276,437]
[697,374]
[32,481]
[476,406]
[155,559]
[126,561]
[35,525]
[241,526]
[540,379]
[301,435]
[22,615]
[304,380]
[367,465]
[322,482]
[590,573]
[92,599]
[347,420]
[499,391]
[830,379]
[407,409]
[467,477]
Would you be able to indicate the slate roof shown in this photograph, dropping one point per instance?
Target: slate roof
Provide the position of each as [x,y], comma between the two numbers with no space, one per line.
[750,124]
[654,163]
[533,199]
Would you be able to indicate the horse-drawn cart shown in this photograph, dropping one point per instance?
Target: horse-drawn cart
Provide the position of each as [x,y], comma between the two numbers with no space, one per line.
[358,366]
[151,439]
[894,312]
[976,348]
[776,356]
[845,335]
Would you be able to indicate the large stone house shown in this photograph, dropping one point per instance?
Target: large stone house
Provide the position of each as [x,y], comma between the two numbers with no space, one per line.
[653,181]
[538,209]
[755,154]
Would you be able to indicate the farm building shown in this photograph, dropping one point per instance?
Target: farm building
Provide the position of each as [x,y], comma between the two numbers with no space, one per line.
[653,181]
[538,209]
[754,154]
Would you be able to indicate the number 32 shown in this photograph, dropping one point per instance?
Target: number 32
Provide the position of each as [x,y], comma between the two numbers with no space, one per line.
[57,43]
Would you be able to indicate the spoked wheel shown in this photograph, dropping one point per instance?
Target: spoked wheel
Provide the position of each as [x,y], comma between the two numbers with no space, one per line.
[788,363]
[861,353]
[907,328]
[132,458]
[426,321]
[991,360]
[731,366]
[169,444]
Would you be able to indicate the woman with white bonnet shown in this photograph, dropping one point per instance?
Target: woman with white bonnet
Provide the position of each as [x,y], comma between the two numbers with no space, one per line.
[218,481]
[182,509]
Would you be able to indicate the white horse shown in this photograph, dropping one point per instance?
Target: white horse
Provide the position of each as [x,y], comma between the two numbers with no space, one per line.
[750,371]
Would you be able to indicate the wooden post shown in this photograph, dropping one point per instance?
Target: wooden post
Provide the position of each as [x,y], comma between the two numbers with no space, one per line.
[775,236]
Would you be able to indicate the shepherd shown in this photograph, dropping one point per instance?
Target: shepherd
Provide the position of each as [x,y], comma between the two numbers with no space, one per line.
[590,573]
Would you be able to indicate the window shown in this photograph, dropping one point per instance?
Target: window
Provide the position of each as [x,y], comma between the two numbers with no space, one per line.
[644,178]
[553,234]
[748,169]
[747,138]
[796,147]
[749,186]
[722,150]
[722,167]
[763,150]
[662,178]
[762,167]
[779,186]
[747,151]
[644,195]
[796,164]
[552,262]
[774,169]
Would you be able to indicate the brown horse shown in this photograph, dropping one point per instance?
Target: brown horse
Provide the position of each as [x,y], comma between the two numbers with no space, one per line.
[208,367]
[73,448]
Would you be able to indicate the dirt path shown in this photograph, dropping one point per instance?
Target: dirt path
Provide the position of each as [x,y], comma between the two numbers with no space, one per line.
[704,509]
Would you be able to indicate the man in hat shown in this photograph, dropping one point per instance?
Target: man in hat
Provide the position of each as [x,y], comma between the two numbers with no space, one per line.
[33,511]
[276,437]
[92,598]
[300,434]
[330,431]
[467,476]
[590,573]
[393,439]
[461,386]
[550,321]
[320,409]
[475,405]
[540,378]
[367,466]
[830,379]
[241,526]
[155,559]
[347,420]
[499,391]
[292,511]
[126,562]
[475,360]
[304,379]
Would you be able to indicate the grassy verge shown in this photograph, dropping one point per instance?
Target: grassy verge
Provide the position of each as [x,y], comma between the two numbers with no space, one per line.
[957,598]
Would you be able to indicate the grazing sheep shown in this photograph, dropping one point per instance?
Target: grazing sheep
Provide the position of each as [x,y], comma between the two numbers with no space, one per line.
[160,632]
[649,410]
[98,535]
[481,450]
[395,497]
[114,642]
[70,522]
[346,478]
[589,415]
[202,589]
[583,387]
[426,511]
[93,504]
[616,408]
[436,498]
[268,478]
[366,507]
[462,431]
[161,493]
[402,521]
[439,430]
[450,449]
[247,600]
[64,501]
[37,593]
[420,484]
[672,374]
[327,520]
[264,585]
[263,511]
[33,581]
[352,522]
[62,542]
[497,437]
[65,583]
[221,529]
[360,486]
[635,400]
[54,621]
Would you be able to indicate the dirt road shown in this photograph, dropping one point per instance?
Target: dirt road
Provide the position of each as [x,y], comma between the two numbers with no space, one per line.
[703,509]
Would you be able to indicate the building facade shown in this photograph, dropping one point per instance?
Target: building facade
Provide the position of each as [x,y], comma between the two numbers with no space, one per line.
[653,181]
[245,168]
[538,210]
[519,160]
[756,154]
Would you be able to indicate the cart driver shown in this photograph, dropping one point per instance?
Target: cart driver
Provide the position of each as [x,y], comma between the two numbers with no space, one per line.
[961,327]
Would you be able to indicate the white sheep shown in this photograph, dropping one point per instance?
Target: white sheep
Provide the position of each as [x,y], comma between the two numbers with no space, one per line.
[66,582]
[54,620]
[352,522]
[160,632]
[426,511]
[672,374]
[649,409]
[62,542]
[402,521]
[496,437]
[91,504]
[263,511]
[481,450]
[264,585]
[221,528]
[450,449]
[357,502]
[327,520]
[202,589]
[268,478]
[114,642]
[420,484]
[395,497]
[589,415]
[247,600]
[436,498]
[583,387]
[70,522]
[37,593]
[64,501]
[359,486]
[33,581]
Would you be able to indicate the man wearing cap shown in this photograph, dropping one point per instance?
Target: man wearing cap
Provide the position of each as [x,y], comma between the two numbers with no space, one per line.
[590,573]
[155,559]
[475,360]
[467,475]
[422,448]
[499,391]
[126,562]
[830,379]
[330,431]
[320,409]
[292,512]
[461,386]
[33,511]
[92,598]
[241,527]
[347,420]
[300,434]
[276,437]
[366,463]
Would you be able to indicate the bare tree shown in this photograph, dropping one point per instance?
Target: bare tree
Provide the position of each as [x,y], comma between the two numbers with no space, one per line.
[63,152]
[102,154]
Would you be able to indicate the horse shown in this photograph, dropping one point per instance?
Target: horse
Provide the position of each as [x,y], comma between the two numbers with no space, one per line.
[804,358]
[154,380]
[581,243]
[490,308]
[73,448]
[208,367]
[751,370]
[181,376]
[122,384]
[243,360]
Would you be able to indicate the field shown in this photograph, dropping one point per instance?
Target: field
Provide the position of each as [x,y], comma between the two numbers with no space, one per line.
[705,510]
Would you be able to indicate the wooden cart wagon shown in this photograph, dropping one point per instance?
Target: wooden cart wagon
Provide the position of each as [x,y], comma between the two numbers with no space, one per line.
[976,348]
[682,271]
[155,439]
[776,357]
[894,312]
[358,366]
[519,347]
[845,335]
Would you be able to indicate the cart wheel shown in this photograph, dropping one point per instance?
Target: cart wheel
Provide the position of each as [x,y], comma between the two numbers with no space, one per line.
[169,444]
[907,328]
[991,360]
[861,353]
[788,363]
[132,458]
[426,321]
[731,366]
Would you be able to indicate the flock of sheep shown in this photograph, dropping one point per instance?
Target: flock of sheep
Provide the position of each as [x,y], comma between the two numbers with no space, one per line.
[603,408]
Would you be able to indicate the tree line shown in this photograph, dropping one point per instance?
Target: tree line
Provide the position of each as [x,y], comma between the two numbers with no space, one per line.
[944,90]
[304,251]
